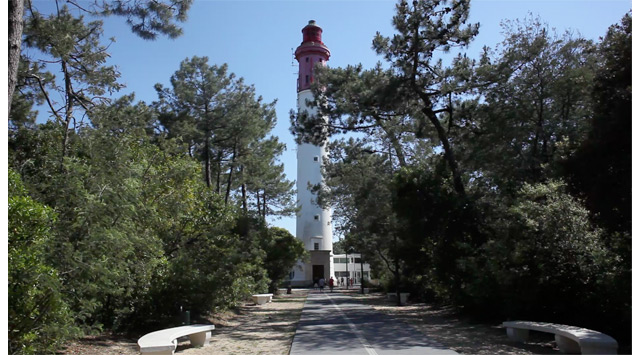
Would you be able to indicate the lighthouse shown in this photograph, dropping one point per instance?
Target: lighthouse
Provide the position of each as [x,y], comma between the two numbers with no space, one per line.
[313,224]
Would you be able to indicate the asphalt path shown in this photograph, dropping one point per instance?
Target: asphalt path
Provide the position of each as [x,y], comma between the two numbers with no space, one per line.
[333,323]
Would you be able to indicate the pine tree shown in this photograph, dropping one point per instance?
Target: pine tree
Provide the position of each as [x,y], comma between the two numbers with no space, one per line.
[147,18]
[414,89]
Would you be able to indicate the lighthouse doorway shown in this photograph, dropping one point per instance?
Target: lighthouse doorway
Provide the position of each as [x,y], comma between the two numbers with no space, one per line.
[318,272]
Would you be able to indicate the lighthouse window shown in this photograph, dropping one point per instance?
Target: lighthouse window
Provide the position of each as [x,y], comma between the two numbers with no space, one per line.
[306,79]
[307,59]
[316,217]
[320,60]
[316,246]
[315,158]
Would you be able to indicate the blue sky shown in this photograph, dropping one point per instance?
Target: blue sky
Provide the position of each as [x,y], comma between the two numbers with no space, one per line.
[256,39]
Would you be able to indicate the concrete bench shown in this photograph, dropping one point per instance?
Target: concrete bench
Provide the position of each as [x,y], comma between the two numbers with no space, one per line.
[262,298]
[164,342]
[402,295]
[568,338]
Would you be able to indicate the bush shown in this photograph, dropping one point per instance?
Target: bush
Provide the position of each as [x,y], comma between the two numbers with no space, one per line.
[543,261]
[39,319]
[282,252]
[436,226]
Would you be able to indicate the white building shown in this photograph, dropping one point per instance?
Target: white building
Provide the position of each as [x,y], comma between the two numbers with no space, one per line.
[313,224]
[348,266]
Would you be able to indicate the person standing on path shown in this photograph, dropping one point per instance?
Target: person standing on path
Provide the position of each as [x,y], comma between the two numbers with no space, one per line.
[321,284]
[331,284]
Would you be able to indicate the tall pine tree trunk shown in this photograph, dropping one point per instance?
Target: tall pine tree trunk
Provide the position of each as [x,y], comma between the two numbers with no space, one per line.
[16,26]
[68,114]
[230,174]
[207,160]
[218,178]
[230,178]
[457,182]
[394,141]
[244,201]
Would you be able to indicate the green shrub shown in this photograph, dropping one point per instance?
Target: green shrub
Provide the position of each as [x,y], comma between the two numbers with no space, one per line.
[39,319]
[544,260]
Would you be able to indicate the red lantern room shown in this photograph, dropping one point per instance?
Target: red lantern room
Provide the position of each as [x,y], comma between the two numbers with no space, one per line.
[311,52]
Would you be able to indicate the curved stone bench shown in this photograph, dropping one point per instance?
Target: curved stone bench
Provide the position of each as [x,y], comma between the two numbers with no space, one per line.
[568,338]
[262,298]
[164,342]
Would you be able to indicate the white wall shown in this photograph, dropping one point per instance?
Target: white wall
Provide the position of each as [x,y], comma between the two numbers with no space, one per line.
[353,268]
[308,228]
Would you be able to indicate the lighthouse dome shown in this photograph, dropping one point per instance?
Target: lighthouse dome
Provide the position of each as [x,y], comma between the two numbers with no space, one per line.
[312,33]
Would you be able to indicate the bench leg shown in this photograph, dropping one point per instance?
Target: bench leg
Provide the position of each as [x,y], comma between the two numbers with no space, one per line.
[566,345]
[200,339]
[518,335]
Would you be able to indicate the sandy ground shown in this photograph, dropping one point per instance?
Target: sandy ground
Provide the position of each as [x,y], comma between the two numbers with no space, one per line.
[264,329]
[458,333]
[250,329]
[270,328]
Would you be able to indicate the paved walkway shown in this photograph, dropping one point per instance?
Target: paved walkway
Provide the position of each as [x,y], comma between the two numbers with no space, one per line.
[333,323]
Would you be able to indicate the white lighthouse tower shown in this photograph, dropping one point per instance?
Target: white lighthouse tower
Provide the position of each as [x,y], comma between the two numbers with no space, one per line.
[313,225]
